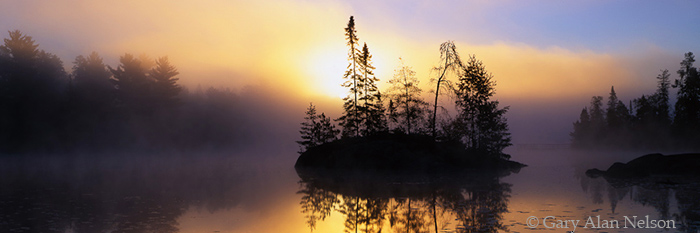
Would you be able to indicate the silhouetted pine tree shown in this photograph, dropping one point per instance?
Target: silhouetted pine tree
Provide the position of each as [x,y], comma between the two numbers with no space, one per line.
[687,111]
[91,80]
[351,119]
[613,117]
[91,101]
[134,86]
[316,130]
[376,118]
[581,136]
[644,122]
[661,99]
[165,84]
[486,127]
[597,118]
[372,109]
[407,109]
[33,85]
[617,121]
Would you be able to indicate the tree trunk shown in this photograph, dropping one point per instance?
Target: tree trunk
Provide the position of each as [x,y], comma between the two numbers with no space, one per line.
[435,213]
[437,93]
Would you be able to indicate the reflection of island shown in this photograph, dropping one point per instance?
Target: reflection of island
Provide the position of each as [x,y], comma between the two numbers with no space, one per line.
[373,202]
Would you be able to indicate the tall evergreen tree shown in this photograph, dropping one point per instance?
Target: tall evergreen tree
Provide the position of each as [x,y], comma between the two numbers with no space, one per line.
[661,99]
[581,137]
[687,111]
[134,86]
[486,127]
[32,91]
[644,121]
[91,101]
[613,118]
[372,109]
[165,84]
[91,81]
[597,116]
[408,107]
[351,119]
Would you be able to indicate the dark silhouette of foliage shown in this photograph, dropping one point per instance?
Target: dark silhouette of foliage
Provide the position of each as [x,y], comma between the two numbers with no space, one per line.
[661,99]
[406,108]
[32,90]
[165,83]
[449,61]
[613,117]
[351,119]
[484,125]
[481,129]
[364,111]
[316,130]
[372,109]
[591,123]
[687,111]
[92,100]
[647,123]
[368,203]
[136,106]
[617,120]
[91,81]
[316,203]
[582,127]
[134,86]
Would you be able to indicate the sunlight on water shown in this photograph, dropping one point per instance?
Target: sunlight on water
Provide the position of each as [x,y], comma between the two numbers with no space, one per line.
[220,194]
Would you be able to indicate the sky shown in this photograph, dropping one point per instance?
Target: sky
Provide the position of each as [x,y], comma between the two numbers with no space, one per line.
[547,57]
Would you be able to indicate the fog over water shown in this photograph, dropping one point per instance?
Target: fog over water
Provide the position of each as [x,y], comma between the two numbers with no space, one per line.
[212,147]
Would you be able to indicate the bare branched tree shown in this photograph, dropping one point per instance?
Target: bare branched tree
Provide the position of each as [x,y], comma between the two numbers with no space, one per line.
[450,63]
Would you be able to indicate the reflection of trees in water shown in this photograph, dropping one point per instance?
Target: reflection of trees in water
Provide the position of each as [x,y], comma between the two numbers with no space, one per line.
[316,203]
[363,214]
[117,196]
[656,193]
[476,206]
[482,209]
[407,215]
[688,208]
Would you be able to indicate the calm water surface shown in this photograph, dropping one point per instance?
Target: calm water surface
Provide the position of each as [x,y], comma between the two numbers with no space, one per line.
[230,192]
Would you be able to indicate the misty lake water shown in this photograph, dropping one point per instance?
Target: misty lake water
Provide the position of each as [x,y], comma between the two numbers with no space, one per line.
[249,192]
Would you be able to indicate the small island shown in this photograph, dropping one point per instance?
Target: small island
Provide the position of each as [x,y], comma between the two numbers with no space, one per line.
[653,166]
[400,152]
[410,134]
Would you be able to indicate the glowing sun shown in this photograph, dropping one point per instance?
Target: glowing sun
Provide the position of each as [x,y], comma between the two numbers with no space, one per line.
[326,68]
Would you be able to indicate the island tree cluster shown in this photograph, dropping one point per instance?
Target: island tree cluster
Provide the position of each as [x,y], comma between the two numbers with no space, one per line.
[479,123]
[650,121]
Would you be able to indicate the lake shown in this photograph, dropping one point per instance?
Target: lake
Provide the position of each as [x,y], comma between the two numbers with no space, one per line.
[260,191]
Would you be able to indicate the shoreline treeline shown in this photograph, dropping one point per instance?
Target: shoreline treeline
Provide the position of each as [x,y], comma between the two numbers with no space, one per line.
[137,105]
[648,122]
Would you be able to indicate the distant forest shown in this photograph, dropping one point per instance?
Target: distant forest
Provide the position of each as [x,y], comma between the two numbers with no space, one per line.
[137,105]
[479,123]
[648,122]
